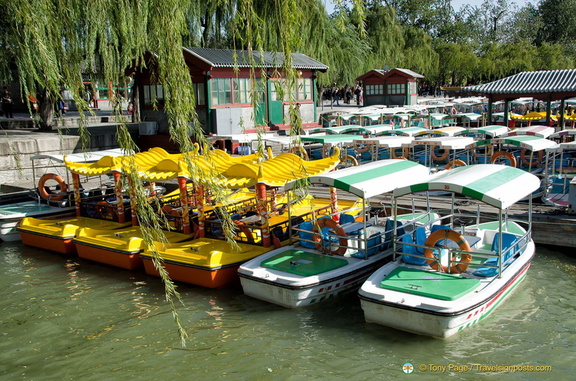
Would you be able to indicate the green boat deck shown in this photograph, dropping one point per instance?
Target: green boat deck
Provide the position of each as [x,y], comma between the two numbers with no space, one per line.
[303,263]
[430,284]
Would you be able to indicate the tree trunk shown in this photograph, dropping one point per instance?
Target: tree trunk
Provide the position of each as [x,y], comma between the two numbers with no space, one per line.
[45,110]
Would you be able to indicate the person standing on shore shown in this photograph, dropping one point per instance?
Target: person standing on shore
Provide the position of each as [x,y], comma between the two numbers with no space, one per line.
[7,103]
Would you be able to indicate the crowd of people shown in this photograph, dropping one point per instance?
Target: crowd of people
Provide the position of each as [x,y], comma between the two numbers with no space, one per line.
[347,94]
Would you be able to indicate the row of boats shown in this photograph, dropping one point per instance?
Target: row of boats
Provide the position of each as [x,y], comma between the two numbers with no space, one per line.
[541,150]
[421,269]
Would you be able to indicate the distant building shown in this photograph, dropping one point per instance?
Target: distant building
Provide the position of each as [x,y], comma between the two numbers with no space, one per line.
[222,83]
[396,87]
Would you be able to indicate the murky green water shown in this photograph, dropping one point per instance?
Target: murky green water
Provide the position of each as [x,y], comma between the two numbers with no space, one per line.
[71,319]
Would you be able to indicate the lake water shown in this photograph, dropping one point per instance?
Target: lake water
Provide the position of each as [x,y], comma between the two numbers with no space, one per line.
[71,319]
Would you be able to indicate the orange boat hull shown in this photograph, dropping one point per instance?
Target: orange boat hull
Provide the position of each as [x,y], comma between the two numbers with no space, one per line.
[125,260]
[59,245]
[205,277]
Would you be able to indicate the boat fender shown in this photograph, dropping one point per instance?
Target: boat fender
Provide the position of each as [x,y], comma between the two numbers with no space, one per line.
[336,228]
[439,235]
[44,191]
[505,154]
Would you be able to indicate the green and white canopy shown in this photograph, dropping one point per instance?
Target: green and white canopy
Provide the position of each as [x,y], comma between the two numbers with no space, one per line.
[530,142]
[387,141]
[493,130]
[331,139]
[444,142]
[411,131]
[372,179]
[498,185]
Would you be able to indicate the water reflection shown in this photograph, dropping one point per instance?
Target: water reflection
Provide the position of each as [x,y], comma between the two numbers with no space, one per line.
[59,313]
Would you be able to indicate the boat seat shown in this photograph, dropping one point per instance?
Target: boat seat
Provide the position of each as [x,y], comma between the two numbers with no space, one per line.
[306,235]
[408,249]
[508,241]
[374,244]
[347,220]
[420,239]
[434,228]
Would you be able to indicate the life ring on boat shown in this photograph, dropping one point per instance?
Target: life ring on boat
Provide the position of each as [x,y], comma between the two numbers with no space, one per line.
[336,228]
[455,163]
[391,123]
[299,149]
[172,210]
[105,209]
[505,154]
[452,236]
[405,153]
[453,111]
[245,229]
[534,162]
[351,159]
[440,157]
[52,196]
[361,148]
[327,150]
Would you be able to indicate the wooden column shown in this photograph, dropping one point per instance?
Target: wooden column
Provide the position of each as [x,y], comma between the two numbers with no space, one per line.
[186,229]
[199,196]
[77,190]
[119,198]
[263,212]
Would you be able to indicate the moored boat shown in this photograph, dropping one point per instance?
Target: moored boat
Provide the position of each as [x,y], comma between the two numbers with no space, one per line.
[335,253]
[454,271]
[209,260]
[52,197]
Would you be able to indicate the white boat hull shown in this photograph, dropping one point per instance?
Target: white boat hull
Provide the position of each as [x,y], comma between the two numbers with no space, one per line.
[439,318]
[12,214]
[293,291]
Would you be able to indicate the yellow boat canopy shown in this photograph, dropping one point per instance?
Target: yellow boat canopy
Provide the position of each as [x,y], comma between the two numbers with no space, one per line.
[157,165]
[531,116]
[277,171]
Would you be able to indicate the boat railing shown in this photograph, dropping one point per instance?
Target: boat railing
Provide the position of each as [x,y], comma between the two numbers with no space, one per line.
[486,257]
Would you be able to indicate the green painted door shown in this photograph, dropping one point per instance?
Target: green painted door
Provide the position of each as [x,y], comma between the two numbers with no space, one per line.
[260,105]
[275,107]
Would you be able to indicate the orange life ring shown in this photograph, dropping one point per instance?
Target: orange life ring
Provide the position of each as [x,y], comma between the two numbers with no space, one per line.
[361,148]
[246,230]
[300,150]
[52,196]
[351,159]
[534,162]
[452,236]
[455,163]
[336,228]
[454,111]
[327,150]
[505,154]
[172,210]
[442,157]
[105,208]
[405,153]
